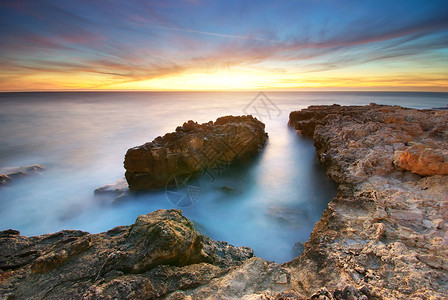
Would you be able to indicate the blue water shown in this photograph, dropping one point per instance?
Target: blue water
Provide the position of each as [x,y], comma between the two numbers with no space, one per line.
[269,203]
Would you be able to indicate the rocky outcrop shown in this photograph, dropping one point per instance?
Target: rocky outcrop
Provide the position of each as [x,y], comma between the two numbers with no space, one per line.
[9,174]
[192,148]
[385,234]
[157,255]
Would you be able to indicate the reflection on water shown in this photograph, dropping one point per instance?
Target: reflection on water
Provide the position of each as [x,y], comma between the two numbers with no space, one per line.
[268,203]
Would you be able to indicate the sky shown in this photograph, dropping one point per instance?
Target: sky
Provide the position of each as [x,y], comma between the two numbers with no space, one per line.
[375,45]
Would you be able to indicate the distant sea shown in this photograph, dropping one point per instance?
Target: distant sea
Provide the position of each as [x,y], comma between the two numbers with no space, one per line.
[268,204]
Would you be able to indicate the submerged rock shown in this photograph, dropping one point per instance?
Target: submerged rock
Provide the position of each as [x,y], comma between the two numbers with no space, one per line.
[119,191]
[4,179]
[160,253]
[385,235]
[192,148]
[117,188]
[9,174]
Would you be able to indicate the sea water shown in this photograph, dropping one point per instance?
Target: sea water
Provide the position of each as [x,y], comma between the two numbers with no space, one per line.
[268,203]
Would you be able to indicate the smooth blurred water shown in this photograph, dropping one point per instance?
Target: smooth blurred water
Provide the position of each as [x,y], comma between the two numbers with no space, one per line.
[81,138]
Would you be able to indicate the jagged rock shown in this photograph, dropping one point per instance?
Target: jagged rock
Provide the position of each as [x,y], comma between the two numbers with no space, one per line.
[159,254]
[422,160]
[384,235]
[255,276]
[9,174]
[364,139]
[192,148]
[349,292]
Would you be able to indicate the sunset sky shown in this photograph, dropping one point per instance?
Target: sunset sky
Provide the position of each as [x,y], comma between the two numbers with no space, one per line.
[224,45]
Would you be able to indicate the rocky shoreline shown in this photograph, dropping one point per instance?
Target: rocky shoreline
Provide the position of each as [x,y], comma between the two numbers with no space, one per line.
[384,236]
[386,231]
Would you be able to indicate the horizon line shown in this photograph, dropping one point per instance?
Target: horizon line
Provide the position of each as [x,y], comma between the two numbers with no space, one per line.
[423,89]
[230,91]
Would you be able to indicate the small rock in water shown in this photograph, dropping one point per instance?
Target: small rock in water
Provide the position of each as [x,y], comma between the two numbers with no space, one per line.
[119,189]
[227,189]
[8,174]
[4,179]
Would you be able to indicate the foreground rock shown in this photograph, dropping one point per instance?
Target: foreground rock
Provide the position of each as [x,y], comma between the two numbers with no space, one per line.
[192,148]
[159,254]
[386,233]
[9,174]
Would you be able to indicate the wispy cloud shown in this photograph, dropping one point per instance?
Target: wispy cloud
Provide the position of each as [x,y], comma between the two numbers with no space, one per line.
[126,42]
[230,36]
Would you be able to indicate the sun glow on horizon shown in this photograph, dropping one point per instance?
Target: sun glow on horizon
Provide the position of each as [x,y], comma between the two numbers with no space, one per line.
[223,79]
[232,79]
[202,46]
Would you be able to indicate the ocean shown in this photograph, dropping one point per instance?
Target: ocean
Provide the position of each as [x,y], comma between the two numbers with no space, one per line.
[268,204]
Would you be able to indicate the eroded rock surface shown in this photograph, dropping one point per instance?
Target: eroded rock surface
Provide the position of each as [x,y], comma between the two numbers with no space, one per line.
[386,233]
[159,254]
[423,159]
[192,148]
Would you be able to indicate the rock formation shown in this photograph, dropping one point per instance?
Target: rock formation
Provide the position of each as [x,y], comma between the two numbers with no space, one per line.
[384,236]
[159,254]
[9,174]
[192,148]
[386,231]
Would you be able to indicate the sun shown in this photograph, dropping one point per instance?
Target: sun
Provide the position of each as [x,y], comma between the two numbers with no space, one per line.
[217,80]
